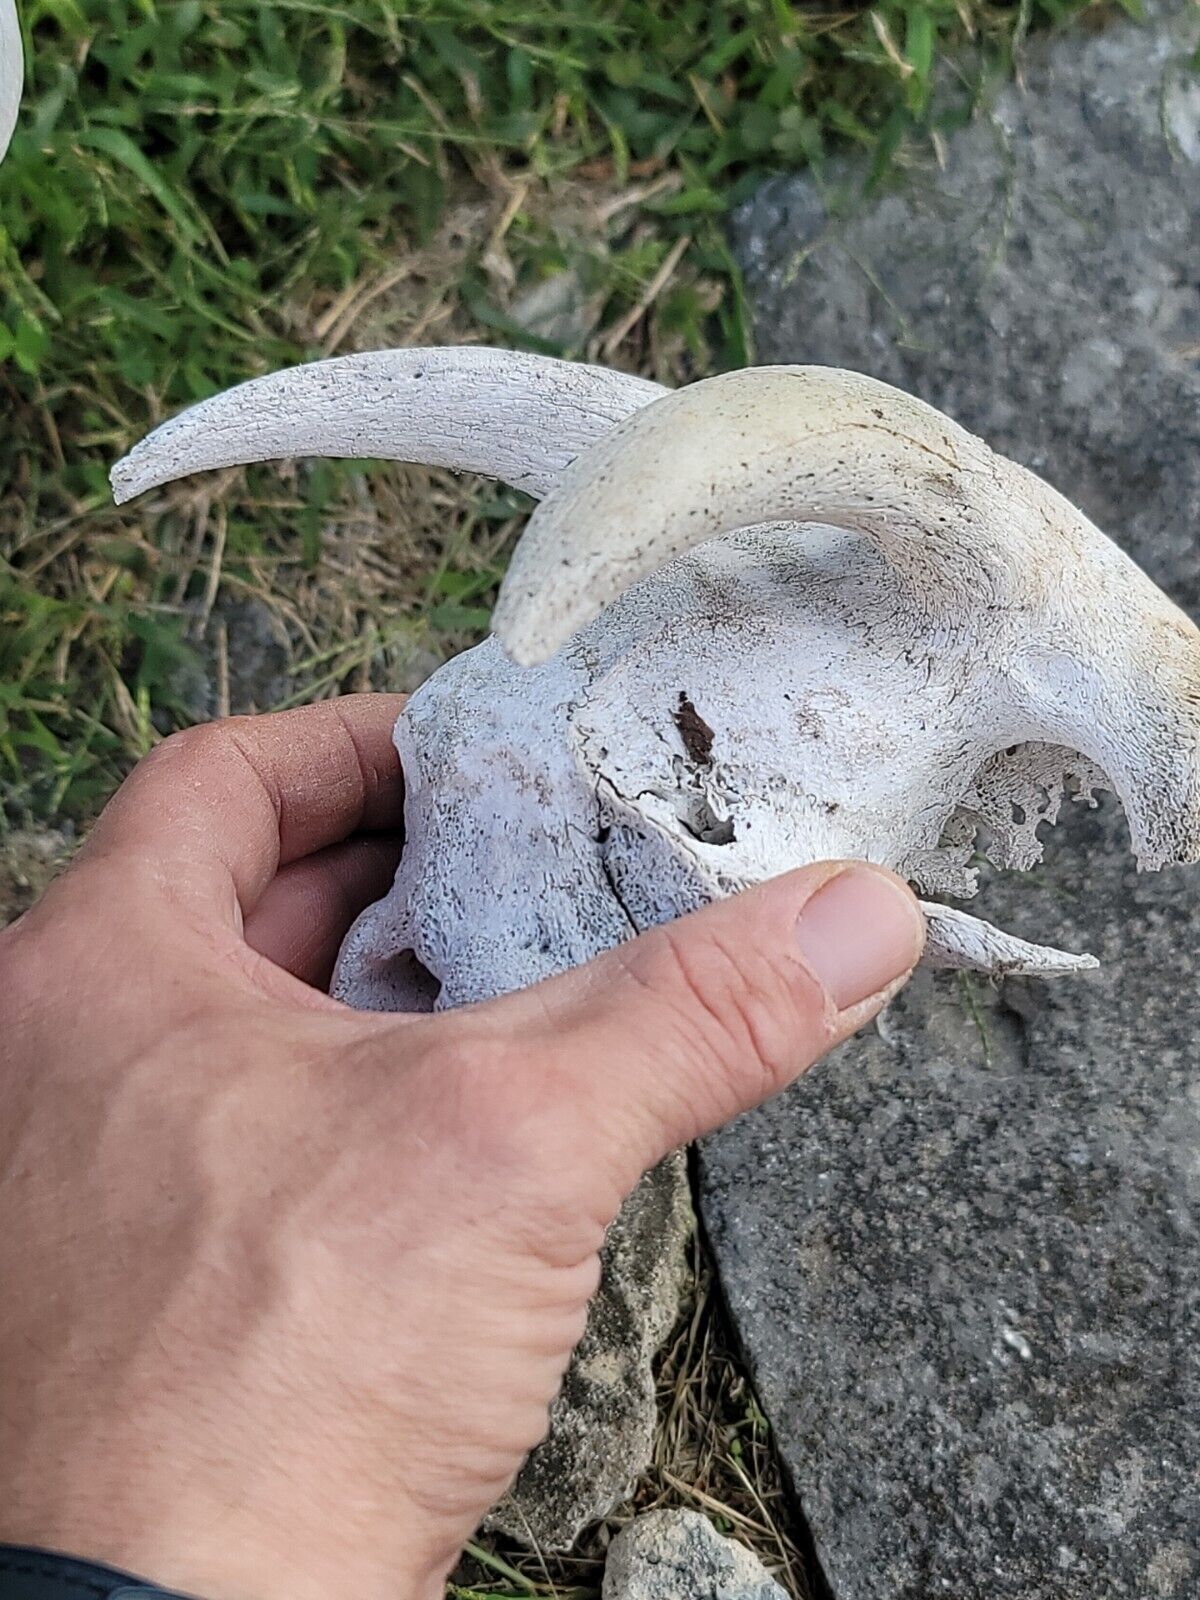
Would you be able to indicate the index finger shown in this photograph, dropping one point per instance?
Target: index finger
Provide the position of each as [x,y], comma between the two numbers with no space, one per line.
[221,807]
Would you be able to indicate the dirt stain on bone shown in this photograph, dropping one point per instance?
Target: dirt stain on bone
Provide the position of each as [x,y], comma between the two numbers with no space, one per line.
[696,734]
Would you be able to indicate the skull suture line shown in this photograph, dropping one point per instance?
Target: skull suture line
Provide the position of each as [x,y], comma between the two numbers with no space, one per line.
[781,615]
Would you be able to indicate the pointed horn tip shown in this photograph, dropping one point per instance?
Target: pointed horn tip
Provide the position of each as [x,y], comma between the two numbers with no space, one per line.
[958,941]
[1046,963]
[125,480]
[1067,966]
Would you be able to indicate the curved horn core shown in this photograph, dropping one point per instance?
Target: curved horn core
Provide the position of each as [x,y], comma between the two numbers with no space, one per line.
[769,444]
[513,416]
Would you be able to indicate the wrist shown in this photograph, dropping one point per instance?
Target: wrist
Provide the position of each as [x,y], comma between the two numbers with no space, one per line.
[30,1573]
[204,1554]
[207,1509]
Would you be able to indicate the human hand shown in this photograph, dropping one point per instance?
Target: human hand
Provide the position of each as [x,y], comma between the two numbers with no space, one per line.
[288,1288]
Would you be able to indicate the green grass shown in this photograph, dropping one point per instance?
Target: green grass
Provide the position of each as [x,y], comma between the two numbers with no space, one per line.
[201,190]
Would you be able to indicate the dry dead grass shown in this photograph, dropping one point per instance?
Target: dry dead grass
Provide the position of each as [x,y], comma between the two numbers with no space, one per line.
[713,1454]
[398,570]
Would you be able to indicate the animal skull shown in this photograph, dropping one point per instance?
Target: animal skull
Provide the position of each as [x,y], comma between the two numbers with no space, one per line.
[782,615]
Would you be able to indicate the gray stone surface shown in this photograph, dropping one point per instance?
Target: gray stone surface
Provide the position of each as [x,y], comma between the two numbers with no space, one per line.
[679,1555]
[964,1256]
[260,663]
[601,1435]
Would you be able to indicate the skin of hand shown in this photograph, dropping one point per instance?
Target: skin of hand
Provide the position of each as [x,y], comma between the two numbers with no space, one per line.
[288,1288]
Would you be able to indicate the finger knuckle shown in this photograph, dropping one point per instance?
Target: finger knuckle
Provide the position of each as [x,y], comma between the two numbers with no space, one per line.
[197,745]
[199,740]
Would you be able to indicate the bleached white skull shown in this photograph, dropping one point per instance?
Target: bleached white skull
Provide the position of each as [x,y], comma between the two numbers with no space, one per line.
[782,615]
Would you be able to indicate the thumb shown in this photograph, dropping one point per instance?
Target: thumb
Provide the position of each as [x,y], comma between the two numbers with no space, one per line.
[669,1036]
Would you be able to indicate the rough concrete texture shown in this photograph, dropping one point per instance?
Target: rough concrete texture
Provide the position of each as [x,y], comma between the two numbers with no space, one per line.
[601,1435]
[964,1255]
[679,1555]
